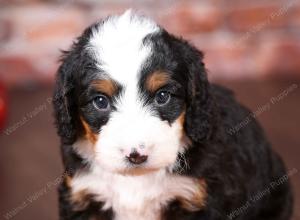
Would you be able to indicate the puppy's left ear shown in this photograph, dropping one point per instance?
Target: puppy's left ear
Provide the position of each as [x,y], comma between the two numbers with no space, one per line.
[65,109]
[200,110]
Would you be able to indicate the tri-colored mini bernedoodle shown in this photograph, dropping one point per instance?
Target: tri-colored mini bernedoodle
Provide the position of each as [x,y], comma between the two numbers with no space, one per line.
[144,135]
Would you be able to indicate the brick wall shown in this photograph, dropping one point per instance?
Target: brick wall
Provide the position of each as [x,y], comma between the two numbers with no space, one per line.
[241,39]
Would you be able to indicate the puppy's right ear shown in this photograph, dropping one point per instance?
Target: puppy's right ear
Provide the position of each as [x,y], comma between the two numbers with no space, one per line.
[64,100]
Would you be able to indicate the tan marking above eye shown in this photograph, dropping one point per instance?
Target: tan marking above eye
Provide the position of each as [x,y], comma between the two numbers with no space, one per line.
[156,80]
[186,141]
[105,86]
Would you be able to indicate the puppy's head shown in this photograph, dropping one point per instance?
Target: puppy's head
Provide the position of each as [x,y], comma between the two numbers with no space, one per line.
[130,96]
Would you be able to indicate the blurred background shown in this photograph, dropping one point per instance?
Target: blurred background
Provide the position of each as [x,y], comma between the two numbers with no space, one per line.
[252,47]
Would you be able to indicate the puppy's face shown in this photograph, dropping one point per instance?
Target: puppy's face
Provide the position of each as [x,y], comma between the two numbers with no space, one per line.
[131,92]
[136,123]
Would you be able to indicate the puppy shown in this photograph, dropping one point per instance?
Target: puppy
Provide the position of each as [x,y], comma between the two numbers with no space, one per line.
[144,135]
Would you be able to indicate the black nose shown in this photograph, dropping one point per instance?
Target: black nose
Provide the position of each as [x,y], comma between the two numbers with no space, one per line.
[136,158]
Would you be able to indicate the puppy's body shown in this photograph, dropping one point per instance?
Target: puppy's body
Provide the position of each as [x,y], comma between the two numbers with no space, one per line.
[144,135]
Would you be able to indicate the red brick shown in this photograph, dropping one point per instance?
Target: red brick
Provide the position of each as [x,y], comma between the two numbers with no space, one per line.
[5,29]
[40,22]
[16,70]
[295,18]
[37,31]
[227,64]
[187,18]
[55,29]
[223,59]
[99,12]
[279,58]
[258,17]
[14,2]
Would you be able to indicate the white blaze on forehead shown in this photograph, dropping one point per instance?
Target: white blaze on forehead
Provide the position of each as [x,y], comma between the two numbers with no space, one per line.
[119,51]
[118,45]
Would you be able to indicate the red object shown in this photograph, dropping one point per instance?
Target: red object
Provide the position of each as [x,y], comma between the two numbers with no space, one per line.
[3,105]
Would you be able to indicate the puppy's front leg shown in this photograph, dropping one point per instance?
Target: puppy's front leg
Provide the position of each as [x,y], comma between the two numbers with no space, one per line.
[66,209]
[190,192]
[79,206]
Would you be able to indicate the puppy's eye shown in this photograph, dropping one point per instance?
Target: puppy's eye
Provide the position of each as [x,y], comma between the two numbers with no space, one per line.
[162,97]
[101,102]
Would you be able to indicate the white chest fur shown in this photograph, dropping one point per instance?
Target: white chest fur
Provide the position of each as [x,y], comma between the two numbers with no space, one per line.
[135,197]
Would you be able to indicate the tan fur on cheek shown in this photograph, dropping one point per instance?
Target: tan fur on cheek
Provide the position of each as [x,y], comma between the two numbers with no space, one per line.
[184,138]
[156,80]
[68,181]
[89,135]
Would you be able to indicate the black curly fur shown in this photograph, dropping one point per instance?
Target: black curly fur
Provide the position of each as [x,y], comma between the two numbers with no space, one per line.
[235,166]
